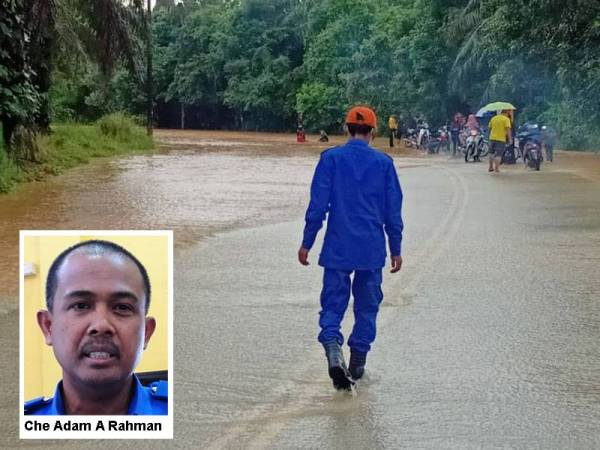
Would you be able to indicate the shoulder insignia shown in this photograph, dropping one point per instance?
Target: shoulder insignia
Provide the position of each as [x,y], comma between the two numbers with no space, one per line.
[32,406]
[160,389]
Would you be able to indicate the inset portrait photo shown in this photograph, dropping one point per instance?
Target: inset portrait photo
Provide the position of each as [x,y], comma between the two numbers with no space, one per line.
[96,334]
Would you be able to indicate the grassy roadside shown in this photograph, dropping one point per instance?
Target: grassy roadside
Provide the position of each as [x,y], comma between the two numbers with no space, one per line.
[72,145]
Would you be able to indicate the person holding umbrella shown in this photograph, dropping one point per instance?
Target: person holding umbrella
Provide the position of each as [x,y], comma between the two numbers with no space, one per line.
[500,135]
[500,128]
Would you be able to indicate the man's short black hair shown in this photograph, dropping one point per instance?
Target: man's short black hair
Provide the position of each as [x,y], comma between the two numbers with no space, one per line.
[94,246]
[355,128]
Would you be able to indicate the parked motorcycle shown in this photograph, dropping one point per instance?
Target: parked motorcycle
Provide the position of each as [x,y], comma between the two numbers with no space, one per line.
[475,146]
[423,136]
[410,140]
[526,133]
[439,140]
[509,157]
[533,154]
[484,146]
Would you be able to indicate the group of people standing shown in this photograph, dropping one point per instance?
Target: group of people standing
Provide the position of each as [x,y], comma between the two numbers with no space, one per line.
[501,130]
[500,134]
[398,126]
[456,127]
[355,188]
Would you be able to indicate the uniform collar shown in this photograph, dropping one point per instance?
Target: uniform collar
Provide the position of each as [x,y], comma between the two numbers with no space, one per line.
[140,400]
[357,142]
[57,407]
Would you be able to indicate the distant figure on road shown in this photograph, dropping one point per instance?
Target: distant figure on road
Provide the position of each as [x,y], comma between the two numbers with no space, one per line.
[549,140]
[357,188]
[500,135]
[401,130]
[455,129]
[393,126]
[323,136]
[300,135]
[472,123]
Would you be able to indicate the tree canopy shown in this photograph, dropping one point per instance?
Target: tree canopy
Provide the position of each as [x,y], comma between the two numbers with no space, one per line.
[258,64]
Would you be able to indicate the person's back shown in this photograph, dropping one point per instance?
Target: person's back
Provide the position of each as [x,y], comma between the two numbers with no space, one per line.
[355,237]
[500,134]
[323,137]
[498,126]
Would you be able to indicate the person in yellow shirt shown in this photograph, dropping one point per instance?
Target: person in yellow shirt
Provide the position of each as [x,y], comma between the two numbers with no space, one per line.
[500,134]
[393,126]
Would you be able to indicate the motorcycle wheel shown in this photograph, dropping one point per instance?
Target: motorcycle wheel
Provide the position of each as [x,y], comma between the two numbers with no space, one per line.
[485,149]
[469,152]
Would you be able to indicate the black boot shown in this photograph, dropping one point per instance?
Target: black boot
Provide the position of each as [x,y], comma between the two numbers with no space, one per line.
[357,364]
[338,371]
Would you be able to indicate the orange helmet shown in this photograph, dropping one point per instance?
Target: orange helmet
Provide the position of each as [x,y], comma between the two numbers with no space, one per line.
[362,115]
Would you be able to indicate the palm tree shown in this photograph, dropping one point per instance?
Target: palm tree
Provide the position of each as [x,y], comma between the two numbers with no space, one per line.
[100,30]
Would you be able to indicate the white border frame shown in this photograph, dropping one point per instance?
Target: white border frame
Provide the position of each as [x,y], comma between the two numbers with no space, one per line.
[165,421]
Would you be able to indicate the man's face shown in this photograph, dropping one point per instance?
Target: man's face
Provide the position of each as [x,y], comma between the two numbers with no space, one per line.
[98,327]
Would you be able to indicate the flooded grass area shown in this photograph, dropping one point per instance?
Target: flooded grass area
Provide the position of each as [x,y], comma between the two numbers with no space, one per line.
[68,146]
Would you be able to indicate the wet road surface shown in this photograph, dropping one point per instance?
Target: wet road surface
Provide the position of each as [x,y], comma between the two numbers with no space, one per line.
[488,337]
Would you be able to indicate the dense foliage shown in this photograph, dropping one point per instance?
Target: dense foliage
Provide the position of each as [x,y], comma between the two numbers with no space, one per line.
[257,64]
[46,42]
[19,98]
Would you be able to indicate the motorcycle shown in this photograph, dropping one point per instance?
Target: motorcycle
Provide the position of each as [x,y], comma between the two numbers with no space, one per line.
[423,136]
[411,138]
[438,140]
[533,154]
[508,156]
[475,146]
[525,133]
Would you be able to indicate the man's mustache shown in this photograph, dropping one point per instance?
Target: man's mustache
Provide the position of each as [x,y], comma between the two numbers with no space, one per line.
[100,345]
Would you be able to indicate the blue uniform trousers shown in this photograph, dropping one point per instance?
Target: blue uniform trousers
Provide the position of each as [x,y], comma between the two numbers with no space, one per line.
[366,290]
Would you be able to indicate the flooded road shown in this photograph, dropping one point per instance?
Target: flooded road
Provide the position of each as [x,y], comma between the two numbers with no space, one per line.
[488,337]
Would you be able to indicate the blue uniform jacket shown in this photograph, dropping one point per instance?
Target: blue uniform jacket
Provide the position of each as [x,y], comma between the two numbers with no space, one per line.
[150,401]
[358,188]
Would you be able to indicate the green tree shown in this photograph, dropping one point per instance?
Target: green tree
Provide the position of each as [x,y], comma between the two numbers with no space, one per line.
[46,30]
[19,98]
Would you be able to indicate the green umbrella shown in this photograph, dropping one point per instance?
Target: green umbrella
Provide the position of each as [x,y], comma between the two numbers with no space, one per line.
[497,106]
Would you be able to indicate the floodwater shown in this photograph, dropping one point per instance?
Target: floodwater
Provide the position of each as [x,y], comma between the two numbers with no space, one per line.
[488,337]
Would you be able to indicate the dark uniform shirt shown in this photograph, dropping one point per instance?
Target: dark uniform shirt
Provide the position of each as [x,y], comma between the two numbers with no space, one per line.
[146,400]
[358,188]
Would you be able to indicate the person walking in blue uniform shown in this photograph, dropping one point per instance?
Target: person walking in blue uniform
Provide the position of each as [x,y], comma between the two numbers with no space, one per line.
[97,300]
[356,187]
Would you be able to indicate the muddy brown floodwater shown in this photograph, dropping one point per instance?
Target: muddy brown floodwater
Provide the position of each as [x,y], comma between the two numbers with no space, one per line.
[487,337]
